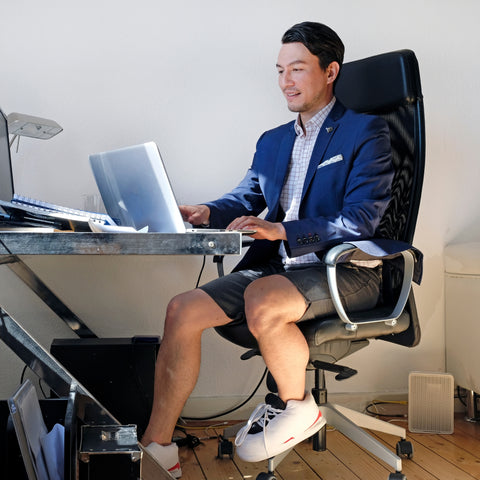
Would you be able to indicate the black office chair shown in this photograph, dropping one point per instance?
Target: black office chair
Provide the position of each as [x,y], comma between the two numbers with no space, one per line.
[387,85]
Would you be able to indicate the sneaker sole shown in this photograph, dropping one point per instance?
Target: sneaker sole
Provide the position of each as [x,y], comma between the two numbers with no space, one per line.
[176,471]
[312,430]
[319,423]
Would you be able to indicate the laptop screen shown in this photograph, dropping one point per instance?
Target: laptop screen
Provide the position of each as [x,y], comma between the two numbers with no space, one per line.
[6,177]
[135,188]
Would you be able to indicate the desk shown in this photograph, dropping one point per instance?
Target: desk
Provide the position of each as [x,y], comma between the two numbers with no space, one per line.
[15,244]
[75,243]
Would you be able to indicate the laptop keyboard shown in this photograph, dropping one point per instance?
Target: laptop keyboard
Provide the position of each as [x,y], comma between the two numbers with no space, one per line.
[42,207]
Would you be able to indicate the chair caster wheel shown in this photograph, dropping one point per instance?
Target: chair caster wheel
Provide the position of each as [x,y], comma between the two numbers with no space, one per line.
[405,449]
[397,476]
[266,476]
[225,447]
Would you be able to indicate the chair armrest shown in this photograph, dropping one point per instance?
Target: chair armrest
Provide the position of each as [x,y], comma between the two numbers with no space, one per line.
[344,252]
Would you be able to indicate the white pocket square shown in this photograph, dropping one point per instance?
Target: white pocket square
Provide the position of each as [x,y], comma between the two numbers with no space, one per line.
[335,159]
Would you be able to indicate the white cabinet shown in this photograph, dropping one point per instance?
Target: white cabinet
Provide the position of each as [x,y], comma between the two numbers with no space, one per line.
[462,303]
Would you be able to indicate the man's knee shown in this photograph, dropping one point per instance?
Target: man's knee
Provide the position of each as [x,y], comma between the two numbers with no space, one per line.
[271,301]
[180,312]
[193,312]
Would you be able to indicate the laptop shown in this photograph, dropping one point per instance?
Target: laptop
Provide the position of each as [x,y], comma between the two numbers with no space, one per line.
[19,210]
[136,190]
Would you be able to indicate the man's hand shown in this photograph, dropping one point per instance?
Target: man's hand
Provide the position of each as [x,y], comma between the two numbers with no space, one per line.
[195,214]
[264,230]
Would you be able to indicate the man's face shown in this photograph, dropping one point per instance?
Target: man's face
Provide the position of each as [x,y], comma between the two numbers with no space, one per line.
[305,85]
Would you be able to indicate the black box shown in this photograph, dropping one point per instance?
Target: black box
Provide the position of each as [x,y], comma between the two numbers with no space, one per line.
[109,451]
[54,411]
[118,372]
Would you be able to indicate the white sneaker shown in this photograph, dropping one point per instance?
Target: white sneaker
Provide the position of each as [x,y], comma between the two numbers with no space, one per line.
[275,427]
[167,457]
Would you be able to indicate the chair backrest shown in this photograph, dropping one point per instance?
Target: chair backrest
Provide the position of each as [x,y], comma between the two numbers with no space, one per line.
[388,85]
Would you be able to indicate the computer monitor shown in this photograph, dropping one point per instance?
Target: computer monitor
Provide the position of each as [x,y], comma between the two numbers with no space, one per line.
[6,175]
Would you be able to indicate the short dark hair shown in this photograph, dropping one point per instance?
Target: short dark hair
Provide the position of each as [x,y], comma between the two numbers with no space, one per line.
[320,40]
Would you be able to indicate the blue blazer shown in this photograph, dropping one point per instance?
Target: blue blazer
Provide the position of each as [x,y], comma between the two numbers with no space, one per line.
[346,190]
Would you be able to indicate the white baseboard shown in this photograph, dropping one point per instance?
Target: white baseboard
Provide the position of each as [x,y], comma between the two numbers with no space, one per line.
[206,406]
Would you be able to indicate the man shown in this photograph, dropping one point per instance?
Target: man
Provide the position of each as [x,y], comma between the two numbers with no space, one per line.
[324,179]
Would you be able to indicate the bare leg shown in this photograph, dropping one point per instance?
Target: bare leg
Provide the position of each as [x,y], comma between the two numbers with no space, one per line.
[272,306]
[178,360]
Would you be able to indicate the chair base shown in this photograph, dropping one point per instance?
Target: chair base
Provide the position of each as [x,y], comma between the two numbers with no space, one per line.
[351,423]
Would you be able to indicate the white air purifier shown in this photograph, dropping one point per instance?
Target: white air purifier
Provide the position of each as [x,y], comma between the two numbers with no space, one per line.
[430,402]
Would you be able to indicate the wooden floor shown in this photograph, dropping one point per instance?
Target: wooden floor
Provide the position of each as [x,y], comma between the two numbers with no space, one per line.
[442,457]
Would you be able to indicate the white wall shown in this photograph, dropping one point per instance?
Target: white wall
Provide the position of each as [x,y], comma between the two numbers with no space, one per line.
[199,79]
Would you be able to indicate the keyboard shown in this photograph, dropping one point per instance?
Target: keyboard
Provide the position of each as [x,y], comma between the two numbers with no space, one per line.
[45,207]
[33,211]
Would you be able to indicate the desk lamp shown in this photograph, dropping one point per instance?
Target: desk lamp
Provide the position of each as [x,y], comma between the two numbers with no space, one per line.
[20,124]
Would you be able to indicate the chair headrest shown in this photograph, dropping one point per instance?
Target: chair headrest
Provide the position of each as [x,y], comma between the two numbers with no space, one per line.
[380,83]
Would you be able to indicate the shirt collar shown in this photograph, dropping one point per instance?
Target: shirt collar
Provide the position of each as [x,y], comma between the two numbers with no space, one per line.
[316,121]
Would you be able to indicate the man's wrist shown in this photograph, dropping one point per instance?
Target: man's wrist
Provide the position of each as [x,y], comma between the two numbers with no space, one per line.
[282,231]
[206,215]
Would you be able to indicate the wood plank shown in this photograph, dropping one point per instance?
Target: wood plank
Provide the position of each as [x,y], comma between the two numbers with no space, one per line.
[465,441]
[191,469]
[355,458]
[344,460]
[250,469]
[454,454]
[410,468]
[324,464]
[214,467]
[431,461]
[208,453]
[470,428]
[294,467]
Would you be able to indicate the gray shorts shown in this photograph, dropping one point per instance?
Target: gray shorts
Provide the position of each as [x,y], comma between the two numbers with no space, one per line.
[359,288]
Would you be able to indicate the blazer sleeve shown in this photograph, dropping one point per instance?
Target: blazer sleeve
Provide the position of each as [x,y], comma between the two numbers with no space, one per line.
[247,198]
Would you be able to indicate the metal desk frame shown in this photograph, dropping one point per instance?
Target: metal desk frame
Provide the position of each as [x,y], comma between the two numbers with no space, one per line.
[15,244]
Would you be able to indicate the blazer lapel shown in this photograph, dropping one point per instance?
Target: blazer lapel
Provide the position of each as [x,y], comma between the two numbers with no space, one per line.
[324,137]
